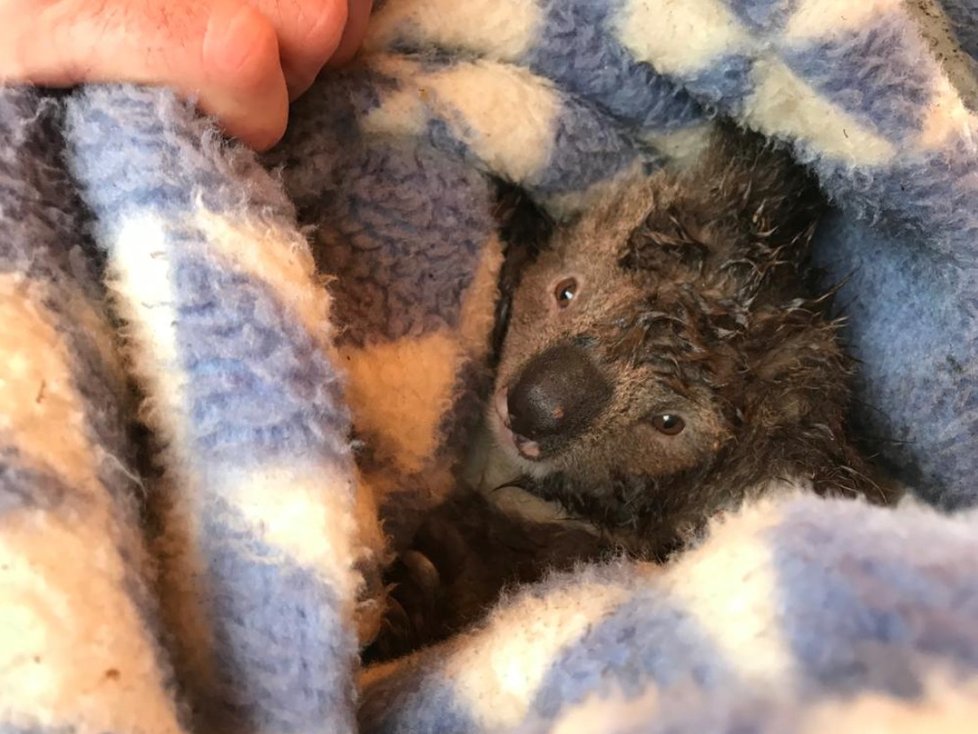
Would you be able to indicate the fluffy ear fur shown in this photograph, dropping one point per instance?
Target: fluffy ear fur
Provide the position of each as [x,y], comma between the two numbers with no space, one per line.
[747,212]
[790,407]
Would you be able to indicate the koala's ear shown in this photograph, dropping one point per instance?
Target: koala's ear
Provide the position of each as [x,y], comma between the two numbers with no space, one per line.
[797,411]
[800,372]
[756,181]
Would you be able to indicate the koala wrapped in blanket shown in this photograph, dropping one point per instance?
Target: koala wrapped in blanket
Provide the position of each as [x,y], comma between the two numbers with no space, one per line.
[662,357]
[391,172]
[390,164]
[129,221]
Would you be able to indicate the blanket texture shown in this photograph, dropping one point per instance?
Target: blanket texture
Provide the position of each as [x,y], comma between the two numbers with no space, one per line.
[231,385]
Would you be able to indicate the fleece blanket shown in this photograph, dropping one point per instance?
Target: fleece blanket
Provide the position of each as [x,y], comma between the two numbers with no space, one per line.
[231,385]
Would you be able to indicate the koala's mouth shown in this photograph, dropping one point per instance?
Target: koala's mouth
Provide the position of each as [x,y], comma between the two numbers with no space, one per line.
[525,447]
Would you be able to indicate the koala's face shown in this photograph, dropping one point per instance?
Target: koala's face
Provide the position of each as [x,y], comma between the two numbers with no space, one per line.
[665,354]
[603,369]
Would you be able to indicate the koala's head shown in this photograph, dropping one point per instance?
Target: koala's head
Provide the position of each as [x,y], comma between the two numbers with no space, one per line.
[663,338]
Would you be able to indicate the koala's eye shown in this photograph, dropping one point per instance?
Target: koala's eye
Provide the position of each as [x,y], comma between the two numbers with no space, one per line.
[668,423]
[565,292]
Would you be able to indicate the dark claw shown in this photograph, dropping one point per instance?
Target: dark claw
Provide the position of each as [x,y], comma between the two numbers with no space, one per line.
[443,544]
[422,572]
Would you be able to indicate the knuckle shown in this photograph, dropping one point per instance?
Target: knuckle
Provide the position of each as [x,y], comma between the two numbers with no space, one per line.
[66,57]
[321,24]
[249,54]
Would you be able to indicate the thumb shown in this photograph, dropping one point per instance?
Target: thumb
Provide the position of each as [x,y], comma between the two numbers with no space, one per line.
[224,53]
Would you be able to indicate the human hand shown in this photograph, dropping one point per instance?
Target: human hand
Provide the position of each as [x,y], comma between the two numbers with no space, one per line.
[242,60]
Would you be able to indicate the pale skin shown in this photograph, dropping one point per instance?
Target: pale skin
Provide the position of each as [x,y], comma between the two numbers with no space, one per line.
[242,61]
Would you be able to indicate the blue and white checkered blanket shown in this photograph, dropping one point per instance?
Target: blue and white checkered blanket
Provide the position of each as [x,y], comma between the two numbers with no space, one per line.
[303,339]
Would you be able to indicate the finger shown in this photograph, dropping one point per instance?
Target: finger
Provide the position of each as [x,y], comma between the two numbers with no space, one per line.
[356,28]
[309,32]
[223,53]
[245,85]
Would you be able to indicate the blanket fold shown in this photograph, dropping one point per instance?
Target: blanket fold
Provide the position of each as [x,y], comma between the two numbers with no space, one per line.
[735,633]
[80,625]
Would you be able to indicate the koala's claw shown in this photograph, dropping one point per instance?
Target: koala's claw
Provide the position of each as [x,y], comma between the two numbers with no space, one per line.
[422,572]
[396,621]
[416,601]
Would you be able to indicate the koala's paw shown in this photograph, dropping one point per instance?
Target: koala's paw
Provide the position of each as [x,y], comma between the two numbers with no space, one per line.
[460,559]
[417,608]
[429,591]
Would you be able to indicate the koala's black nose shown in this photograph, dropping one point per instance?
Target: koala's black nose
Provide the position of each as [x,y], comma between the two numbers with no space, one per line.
[558,395]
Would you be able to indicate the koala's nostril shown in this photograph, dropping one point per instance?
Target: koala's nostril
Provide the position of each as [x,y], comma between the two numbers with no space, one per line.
[558,395]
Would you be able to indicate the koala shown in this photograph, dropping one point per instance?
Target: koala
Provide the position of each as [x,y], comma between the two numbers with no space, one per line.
[663,357]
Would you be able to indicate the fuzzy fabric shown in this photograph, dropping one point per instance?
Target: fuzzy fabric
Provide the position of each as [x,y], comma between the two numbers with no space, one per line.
[303,337]
[779,623]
